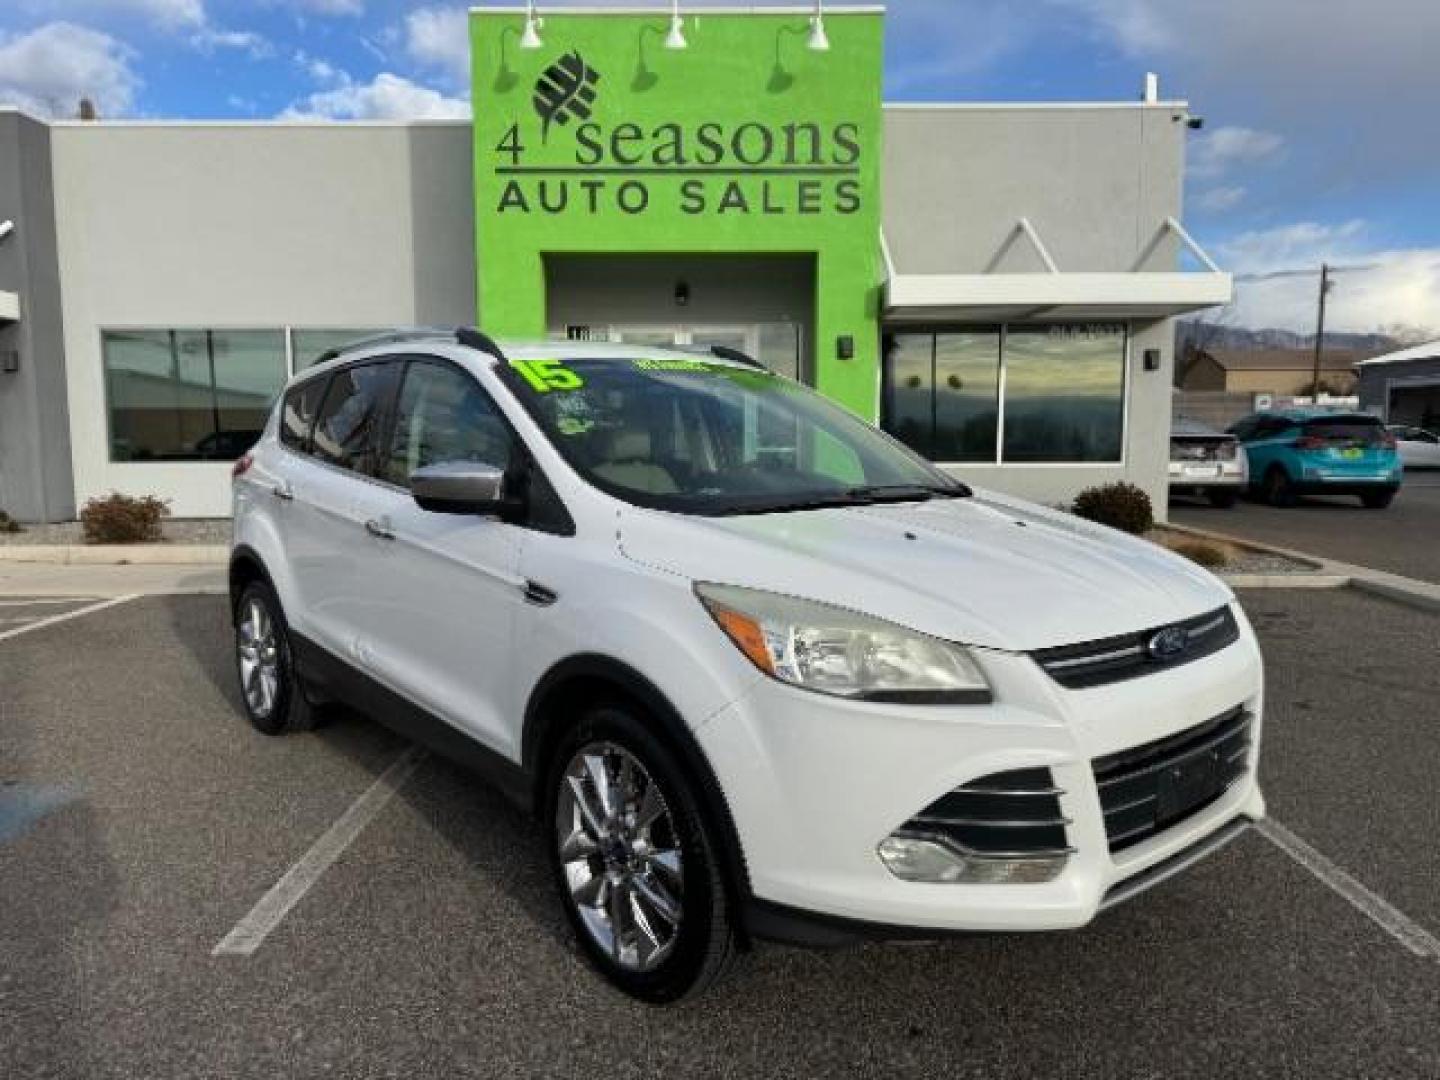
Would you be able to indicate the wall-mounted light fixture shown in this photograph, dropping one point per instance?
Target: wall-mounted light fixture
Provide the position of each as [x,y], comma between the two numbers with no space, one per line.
[530,39]
[819,40]
[676,38]
[6,228]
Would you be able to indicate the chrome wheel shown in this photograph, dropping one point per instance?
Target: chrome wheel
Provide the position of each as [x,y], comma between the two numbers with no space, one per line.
[259,651]
[620,854]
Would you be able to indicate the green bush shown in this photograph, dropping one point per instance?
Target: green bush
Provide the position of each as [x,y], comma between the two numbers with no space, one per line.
[1120,505]
[8,524]
[121,519]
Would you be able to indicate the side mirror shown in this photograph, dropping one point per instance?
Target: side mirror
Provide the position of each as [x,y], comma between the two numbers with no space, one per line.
[460,487]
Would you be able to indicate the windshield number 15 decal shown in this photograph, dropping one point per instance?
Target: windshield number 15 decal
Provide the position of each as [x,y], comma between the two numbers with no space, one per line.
[546,375]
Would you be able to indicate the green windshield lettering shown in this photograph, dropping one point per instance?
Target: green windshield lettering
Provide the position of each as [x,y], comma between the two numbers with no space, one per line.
[547,375]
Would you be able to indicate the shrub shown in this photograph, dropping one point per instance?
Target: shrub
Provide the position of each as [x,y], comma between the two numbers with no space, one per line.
[8,524]
[1207,555]
[121,519]
[1120,505]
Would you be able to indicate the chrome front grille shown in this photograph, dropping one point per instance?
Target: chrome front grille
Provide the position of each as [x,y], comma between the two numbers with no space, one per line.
[1128,656]
[1149,788]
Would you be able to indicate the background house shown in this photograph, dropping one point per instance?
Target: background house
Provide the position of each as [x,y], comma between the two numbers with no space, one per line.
[1268,371]
[1403,386]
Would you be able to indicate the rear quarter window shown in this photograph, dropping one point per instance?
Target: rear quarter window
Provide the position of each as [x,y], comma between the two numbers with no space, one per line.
[297,413]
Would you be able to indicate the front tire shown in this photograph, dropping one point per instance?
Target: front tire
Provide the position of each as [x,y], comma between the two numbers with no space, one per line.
[632,855]
[265,663]
[1278,489]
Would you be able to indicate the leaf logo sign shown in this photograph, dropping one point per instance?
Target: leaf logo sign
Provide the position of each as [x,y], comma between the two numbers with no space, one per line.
[565,90]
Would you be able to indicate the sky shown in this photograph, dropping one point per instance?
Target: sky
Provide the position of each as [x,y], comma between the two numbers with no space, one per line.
[1321,140]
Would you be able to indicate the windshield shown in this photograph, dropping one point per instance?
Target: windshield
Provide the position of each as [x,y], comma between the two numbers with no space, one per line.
[707,438]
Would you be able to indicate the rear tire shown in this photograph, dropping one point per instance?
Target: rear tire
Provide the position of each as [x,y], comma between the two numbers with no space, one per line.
[1377,500]
[269,687]
[638,856]
[1222,500]
[1278,489]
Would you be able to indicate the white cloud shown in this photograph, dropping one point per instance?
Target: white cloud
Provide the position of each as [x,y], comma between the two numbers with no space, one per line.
[333,7]
[1226,148]
[49,70]
[1137,26]
[440,37]
[167,13]
[208,39]
[1279,271]
[1219,199]
[388,97]
[321,7]
[1286,247]
[1391,288]
[319,69]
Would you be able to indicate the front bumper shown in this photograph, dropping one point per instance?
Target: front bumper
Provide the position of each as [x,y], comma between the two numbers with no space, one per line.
[1344,485]
[815,783]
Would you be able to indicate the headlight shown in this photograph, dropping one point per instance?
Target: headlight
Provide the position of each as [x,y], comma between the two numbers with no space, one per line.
[834,651]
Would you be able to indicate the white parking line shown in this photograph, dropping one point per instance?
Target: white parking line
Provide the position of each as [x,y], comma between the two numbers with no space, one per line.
[51,620]
[250,932]
[36,601]
[1373,906]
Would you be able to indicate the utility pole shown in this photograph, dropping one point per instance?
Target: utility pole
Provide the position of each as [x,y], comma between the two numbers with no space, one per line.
[1320,332]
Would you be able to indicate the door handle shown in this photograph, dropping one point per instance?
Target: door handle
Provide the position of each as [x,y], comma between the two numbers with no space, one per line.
[283,490]
[380,528]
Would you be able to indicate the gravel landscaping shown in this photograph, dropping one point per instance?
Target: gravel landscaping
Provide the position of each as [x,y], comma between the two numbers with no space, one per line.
[1238,560]
[177,531]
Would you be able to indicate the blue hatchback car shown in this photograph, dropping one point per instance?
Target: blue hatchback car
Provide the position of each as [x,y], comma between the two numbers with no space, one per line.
[1294,453]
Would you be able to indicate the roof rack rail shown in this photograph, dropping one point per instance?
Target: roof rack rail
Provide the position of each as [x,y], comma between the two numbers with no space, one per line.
[724,352]
[389,337]
[468,335]
[465,335]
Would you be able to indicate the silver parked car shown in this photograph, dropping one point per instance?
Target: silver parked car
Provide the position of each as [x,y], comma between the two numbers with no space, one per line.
[1419,449]
[1206,463]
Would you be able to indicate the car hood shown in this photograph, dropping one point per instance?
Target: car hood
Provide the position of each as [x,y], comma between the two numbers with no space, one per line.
[987,571]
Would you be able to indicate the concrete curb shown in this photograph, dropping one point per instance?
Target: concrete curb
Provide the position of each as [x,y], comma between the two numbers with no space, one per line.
[117,554]
[1330,574]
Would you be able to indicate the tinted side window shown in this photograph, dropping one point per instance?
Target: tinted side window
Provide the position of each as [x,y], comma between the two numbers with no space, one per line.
[351,416]
[443,416]
[298,413]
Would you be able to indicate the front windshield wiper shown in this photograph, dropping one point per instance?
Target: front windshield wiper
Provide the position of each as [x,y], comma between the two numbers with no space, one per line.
[866,495]
[875,493]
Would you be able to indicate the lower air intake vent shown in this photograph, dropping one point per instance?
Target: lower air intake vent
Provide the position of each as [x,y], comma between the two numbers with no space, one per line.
[1015,813]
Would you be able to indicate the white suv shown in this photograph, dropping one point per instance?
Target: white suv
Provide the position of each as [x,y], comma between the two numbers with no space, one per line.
[761,671]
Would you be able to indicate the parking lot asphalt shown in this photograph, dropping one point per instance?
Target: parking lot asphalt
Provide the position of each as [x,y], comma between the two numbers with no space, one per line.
[1403,539]
[140,819]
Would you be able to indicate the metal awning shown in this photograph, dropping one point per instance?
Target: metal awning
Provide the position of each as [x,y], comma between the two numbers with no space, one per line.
[1055,294]
[9,306]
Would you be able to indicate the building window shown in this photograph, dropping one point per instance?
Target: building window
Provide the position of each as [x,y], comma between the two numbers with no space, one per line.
[1064,393]
[1063,396]
[189,395]
[307,346]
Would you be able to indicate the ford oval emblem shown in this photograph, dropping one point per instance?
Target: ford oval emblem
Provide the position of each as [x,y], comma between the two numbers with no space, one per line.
[1168,643]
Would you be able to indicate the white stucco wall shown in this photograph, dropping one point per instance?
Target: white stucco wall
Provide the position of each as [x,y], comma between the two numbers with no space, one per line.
[226,226]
